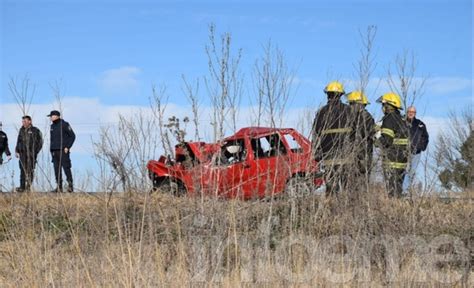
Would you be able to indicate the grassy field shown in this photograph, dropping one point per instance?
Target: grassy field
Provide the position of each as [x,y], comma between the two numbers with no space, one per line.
[143,240]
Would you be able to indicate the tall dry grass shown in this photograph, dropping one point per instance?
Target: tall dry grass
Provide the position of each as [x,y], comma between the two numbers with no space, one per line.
[143,240]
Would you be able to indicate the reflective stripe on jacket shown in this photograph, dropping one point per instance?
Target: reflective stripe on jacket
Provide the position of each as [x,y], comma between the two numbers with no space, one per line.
[332,131]
[394,140]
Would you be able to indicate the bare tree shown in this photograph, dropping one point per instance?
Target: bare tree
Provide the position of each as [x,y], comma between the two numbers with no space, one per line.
[404,80]
[366,64]
[158,104]
[273,82]
[23,91]
[58,88]
[224,83]
[192,94]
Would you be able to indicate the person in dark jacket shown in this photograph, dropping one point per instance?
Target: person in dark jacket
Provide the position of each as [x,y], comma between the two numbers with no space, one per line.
[394,143]
[364,136]
[332,133]
[62,138]
[28,145]
[4,148]
[4,145]
[419,139]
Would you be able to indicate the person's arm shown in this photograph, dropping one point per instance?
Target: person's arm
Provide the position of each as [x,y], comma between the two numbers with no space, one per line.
[425,138]
[370,132]
[38,142]
[70,136]
[7,150]
[19,143]
[387,132]
[315,138]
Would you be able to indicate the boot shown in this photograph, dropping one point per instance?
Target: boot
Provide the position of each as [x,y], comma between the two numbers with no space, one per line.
[20,189]
[70,187]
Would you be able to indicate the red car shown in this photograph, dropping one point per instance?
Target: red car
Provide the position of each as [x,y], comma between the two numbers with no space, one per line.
[255,162]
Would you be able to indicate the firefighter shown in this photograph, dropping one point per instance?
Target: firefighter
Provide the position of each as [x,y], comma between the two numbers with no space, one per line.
[394,143]
[4,147]
[363,136]
[332,133]
[62,139]
[28,145]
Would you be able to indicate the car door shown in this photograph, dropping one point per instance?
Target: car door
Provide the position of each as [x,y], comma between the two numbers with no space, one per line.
[271,161]
[227,177]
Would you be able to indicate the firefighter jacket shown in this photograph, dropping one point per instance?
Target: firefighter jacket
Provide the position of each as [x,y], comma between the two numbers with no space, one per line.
[29,142]
[394,141]
[332,132]
[363,137]
[62,135]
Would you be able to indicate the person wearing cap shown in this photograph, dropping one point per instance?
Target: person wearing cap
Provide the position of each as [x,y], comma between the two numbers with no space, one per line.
[28,145]
[62,138]
[332,134]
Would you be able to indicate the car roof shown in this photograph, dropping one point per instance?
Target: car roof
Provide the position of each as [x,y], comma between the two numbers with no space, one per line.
[256,132]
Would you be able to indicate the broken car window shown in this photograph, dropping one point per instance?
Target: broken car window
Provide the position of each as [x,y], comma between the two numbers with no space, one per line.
[267,146]
[232,152]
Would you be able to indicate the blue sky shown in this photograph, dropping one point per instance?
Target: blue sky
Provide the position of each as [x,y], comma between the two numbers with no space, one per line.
[110,52]
[78,41]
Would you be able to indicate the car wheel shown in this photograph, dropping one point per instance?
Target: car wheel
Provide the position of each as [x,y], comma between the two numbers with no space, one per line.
[297,186]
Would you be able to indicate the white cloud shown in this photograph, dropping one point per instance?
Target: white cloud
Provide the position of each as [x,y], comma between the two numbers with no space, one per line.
[120,81]
[435,125]
[445,85]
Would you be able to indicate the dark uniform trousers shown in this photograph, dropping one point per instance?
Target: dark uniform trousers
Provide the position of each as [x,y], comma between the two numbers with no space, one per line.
[27,170]
[62,161]
[394,181]
[336,177]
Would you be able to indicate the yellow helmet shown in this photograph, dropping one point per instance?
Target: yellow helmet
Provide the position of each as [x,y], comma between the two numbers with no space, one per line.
[392,99]
[357,97]
[334,86]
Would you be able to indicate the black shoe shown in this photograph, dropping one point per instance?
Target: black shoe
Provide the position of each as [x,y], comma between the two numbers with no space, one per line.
[70,188]
[20,189]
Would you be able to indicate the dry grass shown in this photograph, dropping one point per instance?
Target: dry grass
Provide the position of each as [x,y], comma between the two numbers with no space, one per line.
[141,240]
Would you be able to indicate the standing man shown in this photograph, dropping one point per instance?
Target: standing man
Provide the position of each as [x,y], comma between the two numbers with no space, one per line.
[28,145]
[419,139]
[62,139]
[4,148]
[364,135]
[331,137]
[394,143]
[4,145]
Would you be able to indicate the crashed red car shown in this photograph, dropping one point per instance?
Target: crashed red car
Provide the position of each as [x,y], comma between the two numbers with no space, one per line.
[255,162]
